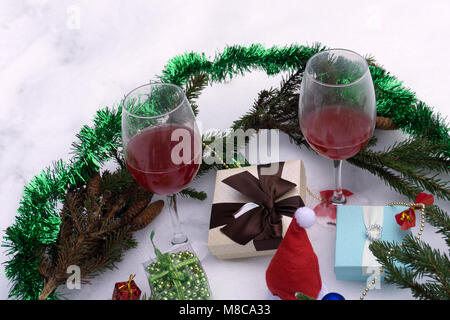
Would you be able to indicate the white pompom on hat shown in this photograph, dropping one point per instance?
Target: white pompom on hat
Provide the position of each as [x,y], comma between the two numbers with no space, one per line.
[305,217]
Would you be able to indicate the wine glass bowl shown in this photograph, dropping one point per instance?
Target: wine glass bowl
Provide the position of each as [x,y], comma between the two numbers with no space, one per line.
[161,142]
[337,109]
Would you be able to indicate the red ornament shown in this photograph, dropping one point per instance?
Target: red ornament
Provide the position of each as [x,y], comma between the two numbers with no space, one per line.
[326,208]
[127,290]
[424,198]
[407,218]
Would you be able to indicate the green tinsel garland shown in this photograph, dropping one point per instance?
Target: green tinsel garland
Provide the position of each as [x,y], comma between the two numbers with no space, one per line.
[393,99]
[37,222]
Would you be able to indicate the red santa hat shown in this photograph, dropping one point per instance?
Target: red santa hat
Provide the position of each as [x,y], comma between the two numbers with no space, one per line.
[295,267]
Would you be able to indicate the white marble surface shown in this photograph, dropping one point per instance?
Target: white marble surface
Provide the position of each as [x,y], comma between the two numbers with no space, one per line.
[62,60]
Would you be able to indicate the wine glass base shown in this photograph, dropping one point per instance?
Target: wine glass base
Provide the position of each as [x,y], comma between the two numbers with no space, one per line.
[338,200]
[179,239]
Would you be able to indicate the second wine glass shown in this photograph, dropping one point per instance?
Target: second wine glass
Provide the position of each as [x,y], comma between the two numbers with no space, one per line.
[161,142]
[337,110]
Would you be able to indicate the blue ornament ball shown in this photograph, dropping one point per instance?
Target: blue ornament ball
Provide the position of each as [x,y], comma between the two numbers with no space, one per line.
[333,296]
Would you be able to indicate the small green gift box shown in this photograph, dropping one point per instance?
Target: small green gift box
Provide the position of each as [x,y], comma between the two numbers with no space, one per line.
[177,275]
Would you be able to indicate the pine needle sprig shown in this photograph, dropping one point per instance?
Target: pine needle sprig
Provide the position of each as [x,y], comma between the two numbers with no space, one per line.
[94,236]
[276,109]
[424,270]
[417,153]
[408,158]
[194,86]
[192,193]
[439,219]
[391,179]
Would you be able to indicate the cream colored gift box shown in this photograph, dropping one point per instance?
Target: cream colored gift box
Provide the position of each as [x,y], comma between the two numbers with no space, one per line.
[223,247]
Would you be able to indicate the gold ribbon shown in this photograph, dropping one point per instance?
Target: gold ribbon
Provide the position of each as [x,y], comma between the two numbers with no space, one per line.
[128,285]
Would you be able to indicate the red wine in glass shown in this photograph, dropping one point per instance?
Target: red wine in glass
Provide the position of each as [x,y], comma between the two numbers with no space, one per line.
[161,143]
[337,132]
[337,107]
[149,160]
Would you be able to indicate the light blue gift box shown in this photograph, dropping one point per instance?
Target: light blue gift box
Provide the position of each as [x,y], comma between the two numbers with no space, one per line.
[351,237]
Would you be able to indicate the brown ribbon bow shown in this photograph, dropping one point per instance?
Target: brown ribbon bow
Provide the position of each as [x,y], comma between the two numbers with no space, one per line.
[262,224]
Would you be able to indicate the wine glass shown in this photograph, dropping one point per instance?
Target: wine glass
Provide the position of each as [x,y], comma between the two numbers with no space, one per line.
[337,109]
[161,143]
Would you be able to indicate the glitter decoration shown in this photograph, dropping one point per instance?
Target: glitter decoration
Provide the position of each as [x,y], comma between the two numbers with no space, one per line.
[177,275]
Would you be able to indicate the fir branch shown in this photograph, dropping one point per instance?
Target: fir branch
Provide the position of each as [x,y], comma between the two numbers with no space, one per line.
[194,86]
[94,240]
[425,261]
[439,219]
[192,193]
[417,153]
[114,246]
[402,166]
[394,181]
[276,109]
[419,260]
[401,158]
[118,181]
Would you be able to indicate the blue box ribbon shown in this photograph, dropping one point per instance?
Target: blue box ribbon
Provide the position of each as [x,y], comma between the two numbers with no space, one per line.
[351,237]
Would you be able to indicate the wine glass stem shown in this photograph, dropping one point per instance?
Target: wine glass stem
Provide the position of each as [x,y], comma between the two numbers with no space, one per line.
[178,235]
[338,196]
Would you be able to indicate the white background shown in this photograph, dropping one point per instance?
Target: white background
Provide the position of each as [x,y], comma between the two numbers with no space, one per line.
[61,60]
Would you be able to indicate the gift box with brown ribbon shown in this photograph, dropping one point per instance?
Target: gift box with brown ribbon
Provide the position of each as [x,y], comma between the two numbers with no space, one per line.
[253,207]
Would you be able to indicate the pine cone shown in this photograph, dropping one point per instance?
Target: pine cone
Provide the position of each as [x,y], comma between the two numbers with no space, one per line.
[93,186]
[384,123]
[136,208]
[147,215]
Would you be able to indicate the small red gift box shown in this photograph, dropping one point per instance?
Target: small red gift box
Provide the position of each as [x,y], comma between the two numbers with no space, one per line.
[127,290]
